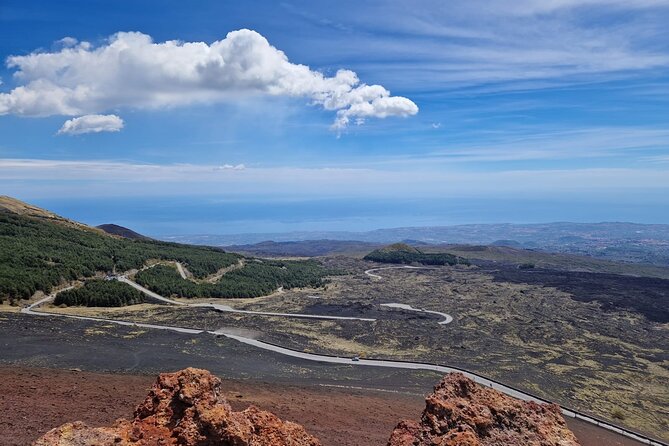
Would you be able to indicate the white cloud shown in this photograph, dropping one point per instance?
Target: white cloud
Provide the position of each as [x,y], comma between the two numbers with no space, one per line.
[130,70]
[91,124]
[230,167]
[67,41]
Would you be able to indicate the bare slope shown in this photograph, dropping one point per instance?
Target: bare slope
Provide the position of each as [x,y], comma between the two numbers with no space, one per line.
[14,206]
[121,231]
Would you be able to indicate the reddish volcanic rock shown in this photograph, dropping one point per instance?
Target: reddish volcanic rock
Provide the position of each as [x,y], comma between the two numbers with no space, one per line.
[185,409]
[463,413]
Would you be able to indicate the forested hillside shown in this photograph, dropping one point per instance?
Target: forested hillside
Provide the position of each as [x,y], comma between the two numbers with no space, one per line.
[401,253]
[37,254]
[256,278]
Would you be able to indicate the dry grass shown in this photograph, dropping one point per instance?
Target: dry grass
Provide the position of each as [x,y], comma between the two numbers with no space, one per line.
[533,337]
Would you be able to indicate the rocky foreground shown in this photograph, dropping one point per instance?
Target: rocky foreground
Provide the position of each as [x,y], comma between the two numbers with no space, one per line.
[462,413]
[185,409]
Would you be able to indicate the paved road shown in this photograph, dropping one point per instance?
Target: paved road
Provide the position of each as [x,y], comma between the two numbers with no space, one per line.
[29,308]
[148,292]
[228,309]
[447,317]
[349,361]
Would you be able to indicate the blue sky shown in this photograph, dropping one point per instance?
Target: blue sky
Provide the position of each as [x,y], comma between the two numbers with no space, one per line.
[481,111]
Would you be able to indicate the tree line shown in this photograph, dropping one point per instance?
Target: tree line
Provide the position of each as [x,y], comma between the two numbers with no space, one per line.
[100,293]
[256,278]
[408,257]
[38,255]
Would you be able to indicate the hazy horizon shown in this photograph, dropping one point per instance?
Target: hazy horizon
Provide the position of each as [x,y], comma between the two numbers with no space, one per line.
[197,216]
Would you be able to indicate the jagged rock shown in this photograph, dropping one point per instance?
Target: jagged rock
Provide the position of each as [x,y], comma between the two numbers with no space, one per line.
[462,413]
[185,409]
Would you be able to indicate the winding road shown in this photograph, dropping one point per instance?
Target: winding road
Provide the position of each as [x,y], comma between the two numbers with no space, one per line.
[370,272]
[229,309]
[447,317]
[31,310]
[376,276]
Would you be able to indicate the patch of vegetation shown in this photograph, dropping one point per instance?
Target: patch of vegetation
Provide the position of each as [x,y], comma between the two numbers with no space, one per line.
[37,255]
[100,293]
[617,414]
[256,278]
[401,253]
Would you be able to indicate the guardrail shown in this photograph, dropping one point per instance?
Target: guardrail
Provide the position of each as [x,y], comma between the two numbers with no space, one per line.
[572,413]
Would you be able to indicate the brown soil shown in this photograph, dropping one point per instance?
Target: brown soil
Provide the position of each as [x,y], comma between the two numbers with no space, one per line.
[35,400]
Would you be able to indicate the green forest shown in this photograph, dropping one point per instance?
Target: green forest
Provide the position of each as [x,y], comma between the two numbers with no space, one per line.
[413,255]
[100,293]
[37,255]
[256,278]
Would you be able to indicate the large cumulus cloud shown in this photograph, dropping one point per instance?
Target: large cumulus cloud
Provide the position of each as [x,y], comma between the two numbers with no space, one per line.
[130,70]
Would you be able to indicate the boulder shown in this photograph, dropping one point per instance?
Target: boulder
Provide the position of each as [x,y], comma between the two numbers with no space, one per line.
[462,413]
[185,409]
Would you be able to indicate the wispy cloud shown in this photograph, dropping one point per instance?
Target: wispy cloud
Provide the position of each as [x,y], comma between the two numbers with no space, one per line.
[533,144]
[483,42]
[424,180]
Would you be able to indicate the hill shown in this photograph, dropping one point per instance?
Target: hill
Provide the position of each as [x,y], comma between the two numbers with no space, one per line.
[121,231]
[37,255]
[617,241]
[500,251]
[406,254]
[399,248]
[542,259]
[14,206]
[40,250]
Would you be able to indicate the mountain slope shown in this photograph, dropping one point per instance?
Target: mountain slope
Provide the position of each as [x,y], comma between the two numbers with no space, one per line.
[10,204]
[14,206]
[40,250]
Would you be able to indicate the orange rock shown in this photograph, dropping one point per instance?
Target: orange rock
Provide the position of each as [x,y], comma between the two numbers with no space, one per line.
[185,409]
[463,413]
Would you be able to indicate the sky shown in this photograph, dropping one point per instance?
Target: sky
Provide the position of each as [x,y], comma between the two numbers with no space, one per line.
[224,117]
